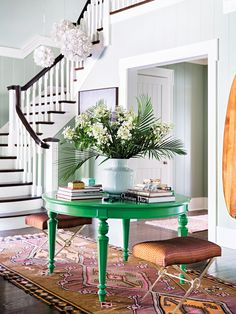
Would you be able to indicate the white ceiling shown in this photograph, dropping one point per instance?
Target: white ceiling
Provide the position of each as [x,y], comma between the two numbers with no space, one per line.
[21,20]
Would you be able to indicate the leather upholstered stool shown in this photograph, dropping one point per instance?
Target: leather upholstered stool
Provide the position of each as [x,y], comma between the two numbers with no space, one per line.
[39,221]
[177,251]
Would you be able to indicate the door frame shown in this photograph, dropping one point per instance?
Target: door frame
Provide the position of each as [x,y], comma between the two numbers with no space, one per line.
[206,49]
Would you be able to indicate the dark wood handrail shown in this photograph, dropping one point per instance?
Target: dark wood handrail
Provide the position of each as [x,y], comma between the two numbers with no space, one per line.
[35,137]
[41,73]
[130,6]
[18,90]
[82,12]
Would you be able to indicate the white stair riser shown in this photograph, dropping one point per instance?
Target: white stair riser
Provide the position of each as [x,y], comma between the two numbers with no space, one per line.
[4,151]
[12,223]
[12,207]
[45,117]
[15,190]
[7,163]
[11,177]
[51,130]
[44,108]
[3,139]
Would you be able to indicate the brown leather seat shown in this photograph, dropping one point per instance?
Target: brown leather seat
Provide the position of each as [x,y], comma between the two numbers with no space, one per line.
[182,250]
[39,221]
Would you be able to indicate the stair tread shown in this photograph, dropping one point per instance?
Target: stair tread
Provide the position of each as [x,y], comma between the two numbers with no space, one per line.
[49,111]
[43,103]
[54,94]
[3,145]
[42,122]
[11,170]
[18,198]
[78,69]
[4,134]
[23,213]
[57,112]
[19,183]
[8,157]
[67,101]
[96,42]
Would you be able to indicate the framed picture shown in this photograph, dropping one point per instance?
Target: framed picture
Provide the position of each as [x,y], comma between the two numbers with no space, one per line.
[89,98]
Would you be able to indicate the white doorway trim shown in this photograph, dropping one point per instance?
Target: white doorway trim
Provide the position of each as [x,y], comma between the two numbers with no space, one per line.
[206,49]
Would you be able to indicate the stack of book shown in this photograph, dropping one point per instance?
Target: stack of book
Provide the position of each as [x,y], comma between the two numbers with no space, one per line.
[88,192]
[149,196]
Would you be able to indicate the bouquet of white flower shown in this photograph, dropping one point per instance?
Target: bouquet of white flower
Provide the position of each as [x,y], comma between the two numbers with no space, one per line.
[120,134]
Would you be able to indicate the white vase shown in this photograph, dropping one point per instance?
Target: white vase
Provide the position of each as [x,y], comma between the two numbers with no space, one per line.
[118,177]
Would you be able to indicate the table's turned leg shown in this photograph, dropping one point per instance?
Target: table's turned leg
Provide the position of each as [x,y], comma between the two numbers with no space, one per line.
[52,228]
[102,257]
[126,224]
[182,232]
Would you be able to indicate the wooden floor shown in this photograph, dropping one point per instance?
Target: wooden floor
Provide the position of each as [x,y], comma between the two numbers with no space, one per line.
[14,300]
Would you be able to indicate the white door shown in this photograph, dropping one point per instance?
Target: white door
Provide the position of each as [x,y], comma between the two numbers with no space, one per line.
[158,84]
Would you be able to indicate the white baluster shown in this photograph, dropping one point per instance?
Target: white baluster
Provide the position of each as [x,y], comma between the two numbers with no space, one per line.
[39,171]
[89,10]
[96,11]
[23,138]
[85,22]
[24,154]
[113,5]
[62,75]
[17,122]
[29,158]
[72,72]
[45,79]
[28,104]
[12,120]
[51,72]
[40,110]
[100,10]
[57,87]
[34,170]
[67,79]
[93,17]
[21,145]
[106,23]
[81,24]
[34,126]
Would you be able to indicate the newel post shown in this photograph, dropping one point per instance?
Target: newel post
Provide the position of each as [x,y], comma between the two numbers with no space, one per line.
[51,166]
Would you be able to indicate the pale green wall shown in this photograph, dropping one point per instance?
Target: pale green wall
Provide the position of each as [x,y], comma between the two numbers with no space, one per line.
[189,117]
[15,72]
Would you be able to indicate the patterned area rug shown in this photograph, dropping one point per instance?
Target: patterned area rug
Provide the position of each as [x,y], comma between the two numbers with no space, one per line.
[195,223]
[73,286]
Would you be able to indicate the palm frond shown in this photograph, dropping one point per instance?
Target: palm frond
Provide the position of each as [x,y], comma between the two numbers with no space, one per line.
[167,148]
[145,113]
[73,159]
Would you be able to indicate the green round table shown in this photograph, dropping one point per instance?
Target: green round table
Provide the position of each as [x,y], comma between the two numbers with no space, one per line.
[103,210]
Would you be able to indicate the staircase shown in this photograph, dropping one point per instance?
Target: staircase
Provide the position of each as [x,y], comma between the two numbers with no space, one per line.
[39,110]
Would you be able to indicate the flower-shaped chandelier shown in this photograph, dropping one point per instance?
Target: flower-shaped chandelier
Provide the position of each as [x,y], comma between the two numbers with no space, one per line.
[74,43]
[59,29]
[43,56]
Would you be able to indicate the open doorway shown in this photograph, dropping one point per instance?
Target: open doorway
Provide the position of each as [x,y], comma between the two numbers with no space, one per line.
[179,96]
[166,58]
